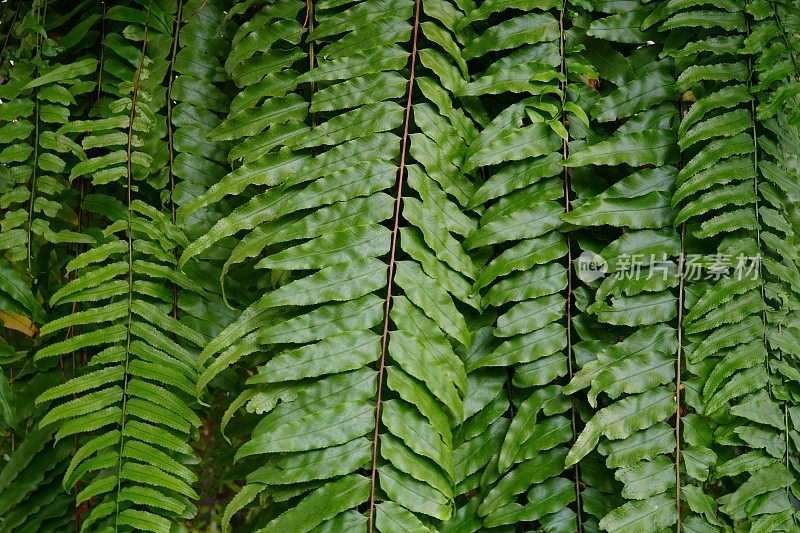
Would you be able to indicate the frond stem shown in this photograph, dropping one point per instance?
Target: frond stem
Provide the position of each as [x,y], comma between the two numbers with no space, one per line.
[99,92]
[35,153]
[170,140]
[570,286]
[170,77]
[134,96]
[754,133]
[678,382]
[392,254]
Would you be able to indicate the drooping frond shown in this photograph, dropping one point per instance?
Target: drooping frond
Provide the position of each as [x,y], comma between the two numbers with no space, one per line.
[130,407]
[738,435]
[339,348]
[629,374]
[511,447]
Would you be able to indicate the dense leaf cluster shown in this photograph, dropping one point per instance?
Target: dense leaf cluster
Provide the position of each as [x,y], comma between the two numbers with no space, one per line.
[322,265]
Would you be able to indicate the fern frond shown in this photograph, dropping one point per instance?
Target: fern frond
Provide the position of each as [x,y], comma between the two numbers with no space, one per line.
[125,395]
[325,191]
[729,325]
[632,376]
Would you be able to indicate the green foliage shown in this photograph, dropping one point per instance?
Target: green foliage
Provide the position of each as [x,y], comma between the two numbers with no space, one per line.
[324,265]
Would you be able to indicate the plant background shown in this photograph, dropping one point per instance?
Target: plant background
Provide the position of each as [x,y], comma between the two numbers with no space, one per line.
[313,265]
